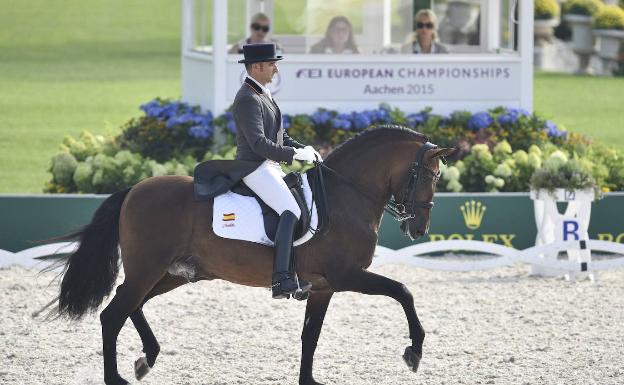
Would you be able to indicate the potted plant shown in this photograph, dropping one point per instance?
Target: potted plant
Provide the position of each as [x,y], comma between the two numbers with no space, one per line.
[562,180]
[578,14]
[609,29]
[546,19]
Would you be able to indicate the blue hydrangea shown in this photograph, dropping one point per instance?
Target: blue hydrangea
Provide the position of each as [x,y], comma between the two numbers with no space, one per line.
[479,121]
[553,131]
[200,131]
[230,125]
[507,119]
[360,120]
[320,116]
[381,115]
[511,116]
[414,120]
[342,121]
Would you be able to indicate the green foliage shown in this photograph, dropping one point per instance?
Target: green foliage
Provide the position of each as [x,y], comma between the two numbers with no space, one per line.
[609,17]
[151,138]
[500,149]
[570,175]
[63,166]
[546,9]
[582,7]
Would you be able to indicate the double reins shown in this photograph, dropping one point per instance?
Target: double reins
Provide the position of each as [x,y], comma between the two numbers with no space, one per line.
[405,208]
[401,210]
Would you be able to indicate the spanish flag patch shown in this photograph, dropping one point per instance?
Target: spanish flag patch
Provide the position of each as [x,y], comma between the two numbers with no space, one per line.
[229,217]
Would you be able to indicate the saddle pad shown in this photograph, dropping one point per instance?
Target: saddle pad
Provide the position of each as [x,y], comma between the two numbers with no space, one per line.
[239,217]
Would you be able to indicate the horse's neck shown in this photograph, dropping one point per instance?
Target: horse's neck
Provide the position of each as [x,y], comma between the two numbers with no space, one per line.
[364,191]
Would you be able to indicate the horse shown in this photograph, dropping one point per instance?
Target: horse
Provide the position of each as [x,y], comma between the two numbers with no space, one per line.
[166,240]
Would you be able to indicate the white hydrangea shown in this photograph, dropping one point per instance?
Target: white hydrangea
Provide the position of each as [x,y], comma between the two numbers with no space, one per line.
[454,186]
[503,170]
[521,157]
[451,173]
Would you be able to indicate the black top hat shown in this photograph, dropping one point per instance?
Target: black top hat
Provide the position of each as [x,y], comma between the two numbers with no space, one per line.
[256,53]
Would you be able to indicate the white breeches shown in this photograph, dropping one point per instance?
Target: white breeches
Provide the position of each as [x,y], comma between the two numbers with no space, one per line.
[266,181]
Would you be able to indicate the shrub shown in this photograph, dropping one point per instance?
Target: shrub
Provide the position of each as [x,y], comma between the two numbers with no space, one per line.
[609,17]
[499,149]
[570,175]
[168,130]
[582,7]
[546,9]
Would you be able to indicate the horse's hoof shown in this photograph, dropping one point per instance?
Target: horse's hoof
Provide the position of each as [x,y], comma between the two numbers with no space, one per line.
[301,295]
[116,381]
[141,368]
[411,358]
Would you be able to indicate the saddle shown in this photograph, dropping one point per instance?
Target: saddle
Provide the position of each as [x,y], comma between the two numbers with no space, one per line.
[213,178]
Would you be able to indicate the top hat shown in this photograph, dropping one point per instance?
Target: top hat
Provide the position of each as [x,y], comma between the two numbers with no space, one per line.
[261,52]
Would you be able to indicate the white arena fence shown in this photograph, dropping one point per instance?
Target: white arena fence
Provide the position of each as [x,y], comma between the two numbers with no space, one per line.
[413,255]
[501,255]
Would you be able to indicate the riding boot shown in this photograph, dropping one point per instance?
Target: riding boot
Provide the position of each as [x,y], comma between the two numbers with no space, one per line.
[283,282]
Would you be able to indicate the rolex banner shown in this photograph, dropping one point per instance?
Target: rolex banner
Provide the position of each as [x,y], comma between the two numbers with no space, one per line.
[504,218]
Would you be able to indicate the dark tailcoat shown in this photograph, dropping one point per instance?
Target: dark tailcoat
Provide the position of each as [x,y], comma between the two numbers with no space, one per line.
[259,136]
[259,132]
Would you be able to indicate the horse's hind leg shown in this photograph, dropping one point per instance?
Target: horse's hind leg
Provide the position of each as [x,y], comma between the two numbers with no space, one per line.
[365,282]
[151,348]
[127,299]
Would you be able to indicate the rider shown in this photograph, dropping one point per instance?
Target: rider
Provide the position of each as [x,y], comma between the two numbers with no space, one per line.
[261,137]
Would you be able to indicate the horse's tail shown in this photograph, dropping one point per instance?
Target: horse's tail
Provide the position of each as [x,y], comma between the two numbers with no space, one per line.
[90,272]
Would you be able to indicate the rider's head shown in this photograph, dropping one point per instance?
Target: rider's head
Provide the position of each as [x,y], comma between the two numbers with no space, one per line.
[261,61]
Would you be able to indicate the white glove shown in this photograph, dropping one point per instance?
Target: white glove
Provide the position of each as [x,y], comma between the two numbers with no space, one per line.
[307,154]
[316,153]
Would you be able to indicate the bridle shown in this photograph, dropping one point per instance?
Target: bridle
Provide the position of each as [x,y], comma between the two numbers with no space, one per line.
[404,208]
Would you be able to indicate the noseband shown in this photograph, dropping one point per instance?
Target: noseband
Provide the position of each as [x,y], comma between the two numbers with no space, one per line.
[405,208]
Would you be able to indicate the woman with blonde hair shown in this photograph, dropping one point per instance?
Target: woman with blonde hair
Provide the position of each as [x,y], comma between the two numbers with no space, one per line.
[425,36]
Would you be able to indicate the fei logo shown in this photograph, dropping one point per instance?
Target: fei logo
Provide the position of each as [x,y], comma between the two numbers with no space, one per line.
[473,212]
[309,73]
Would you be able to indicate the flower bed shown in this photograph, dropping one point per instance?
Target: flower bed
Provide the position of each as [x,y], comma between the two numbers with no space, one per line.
[500,149]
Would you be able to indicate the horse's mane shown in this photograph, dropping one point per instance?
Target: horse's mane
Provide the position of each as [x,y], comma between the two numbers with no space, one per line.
[376,134]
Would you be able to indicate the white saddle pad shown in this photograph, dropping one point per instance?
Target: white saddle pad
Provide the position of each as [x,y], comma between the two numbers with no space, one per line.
[237,216]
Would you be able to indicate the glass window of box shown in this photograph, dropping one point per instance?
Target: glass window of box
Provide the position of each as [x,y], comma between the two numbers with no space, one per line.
[364,26]
[202,20]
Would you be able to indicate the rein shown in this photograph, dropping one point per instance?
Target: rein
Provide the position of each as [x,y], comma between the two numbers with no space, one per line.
[405,208]
[402,209]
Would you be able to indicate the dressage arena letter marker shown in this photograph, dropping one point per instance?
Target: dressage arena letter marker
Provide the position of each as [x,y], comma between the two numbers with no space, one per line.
[567,231]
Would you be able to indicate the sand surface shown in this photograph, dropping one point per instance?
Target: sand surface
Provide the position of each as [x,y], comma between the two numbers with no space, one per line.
[495,327]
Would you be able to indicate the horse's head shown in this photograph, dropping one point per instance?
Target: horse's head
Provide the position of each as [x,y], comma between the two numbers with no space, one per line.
[413,187]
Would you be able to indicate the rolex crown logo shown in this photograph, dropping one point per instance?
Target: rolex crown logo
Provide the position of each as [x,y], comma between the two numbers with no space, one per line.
[473,214]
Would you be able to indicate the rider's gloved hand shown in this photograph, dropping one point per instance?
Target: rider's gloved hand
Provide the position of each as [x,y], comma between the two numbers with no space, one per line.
[306,154]
[318,156]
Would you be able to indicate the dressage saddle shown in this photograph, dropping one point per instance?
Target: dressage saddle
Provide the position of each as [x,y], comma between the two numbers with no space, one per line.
[213,178]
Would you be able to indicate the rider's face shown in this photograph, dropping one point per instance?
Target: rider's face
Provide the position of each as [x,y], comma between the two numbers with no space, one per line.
[265,71]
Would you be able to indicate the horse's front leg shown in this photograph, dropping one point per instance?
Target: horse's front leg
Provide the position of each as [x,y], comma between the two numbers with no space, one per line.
[314,315]
[365,282]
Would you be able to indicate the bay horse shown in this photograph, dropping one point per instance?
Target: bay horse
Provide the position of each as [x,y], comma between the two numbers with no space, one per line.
[166,240]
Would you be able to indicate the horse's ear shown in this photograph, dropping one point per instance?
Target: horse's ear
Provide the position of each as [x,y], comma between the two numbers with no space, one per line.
[442,153]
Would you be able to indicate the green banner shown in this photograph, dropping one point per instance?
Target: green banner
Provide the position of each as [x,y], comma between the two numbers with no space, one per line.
[503,218]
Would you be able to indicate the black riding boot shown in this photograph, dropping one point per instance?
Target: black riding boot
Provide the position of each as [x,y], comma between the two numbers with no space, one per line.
[284,284]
